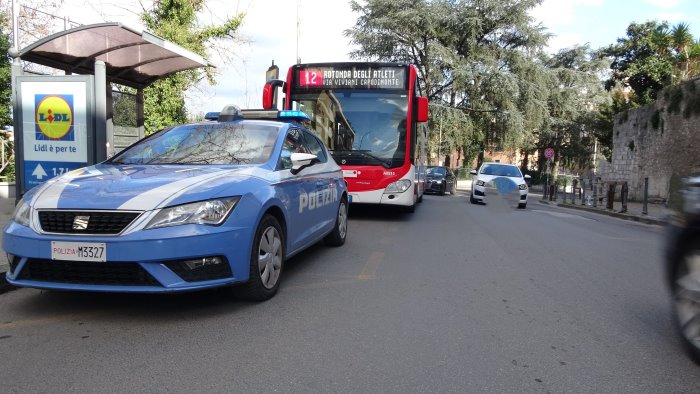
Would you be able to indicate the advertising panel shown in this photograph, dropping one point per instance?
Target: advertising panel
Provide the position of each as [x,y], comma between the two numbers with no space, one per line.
[56,121]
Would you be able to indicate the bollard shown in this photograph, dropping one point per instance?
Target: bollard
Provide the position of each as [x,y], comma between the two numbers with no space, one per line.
[646,196]
[623,197]
[611,195]
[574,186]
[595,194]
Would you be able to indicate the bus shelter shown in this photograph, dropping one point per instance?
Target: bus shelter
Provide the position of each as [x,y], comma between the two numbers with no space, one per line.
[64,122]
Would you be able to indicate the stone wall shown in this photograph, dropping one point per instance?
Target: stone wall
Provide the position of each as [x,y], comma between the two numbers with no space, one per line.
[660,141]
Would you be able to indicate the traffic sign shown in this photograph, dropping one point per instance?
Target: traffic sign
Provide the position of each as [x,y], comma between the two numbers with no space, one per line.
[549,153]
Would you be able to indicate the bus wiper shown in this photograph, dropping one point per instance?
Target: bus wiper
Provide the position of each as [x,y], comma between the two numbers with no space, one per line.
[363,153]
[384,162]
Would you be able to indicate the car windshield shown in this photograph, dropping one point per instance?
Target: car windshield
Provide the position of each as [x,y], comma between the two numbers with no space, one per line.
[211,143]
[436,171]
[501,170]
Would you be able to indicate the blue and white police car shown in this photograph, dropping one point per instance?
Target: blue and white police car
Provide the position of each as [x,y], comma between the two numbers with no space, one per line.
[190,207]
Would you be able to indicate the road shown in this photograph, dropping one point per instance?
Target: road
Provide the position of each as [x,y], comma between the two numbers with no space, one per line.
[453,298]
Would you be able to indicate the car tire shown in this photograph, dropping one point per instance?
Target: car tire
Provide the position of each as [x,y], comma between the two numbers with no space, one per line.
[340,229]
[686,307]
[442,189]
[266,261]
[522,206]
[472,199]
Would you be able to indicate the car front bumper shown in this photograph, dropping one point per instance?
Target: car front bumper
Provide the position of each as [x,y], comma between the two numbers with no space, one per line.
[149,261]
[479,193]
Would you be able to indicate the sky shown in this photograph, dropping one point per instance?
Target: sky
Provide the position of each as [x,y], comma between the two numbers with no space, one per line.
[269,32]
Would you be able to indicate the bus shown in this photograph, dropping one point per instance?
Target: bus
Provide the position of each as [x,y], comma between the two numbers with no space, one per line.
[372,120]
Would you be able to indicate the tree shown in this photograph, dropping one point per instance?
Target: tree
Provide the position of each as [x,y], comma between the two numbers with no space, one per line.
[642,61]
[575,96]
[5,75]
[176,20]
[472,55]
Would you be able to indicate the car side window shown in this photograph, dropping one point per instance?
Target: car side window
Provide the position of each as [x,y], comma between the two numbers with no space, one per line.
[293,143]
[315,147]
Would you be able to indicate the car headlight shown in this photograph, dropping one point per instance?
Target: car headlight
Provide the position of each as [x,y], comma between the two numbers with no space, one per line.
[210,212]
[480,183]
[399,186]
[523,186]
[22,214]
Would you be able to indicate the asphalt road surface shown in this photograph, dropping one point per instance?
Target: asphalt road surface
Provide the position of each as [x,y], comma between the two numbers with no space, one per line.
[453,298]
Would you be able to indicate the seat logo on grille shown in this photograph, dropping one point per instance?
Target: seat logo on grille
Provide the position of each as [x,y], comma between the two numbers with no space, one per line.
[81,222]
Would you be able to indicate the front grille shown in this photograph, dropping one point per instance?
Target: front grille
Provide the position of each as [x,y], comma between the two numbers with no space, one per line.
[206,272]
[87,272]
[478,193]
[98,222]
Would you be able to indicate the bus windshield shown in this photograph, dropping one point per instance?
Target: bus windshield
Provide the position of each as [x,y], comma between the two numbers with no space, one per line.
[360,127]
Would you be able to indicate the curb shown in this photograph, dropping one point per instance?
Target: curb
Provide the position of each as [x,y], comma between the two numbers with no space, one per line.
[634,218]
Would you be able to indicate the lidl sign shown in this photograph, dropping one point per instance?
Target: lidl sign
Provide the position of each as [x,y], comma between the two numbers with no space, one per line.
[56,122]
[54,117]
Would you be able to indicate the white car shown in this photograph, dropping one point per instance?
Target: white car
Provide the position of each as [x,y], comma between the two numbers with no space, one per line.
[488,174]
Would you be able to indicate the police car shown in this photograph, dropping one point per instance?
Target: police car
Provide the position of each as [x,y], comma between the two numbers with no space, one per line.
[190,207]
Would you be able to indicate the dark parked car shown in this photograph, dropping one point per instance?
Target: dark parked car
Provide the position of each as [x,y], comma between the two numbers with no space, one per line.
[440,180]
[683,265]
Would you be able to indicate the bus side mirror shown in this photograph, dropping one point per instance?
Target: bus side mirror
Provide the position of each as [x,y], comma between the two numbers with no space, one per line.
[422,109]
[269,96]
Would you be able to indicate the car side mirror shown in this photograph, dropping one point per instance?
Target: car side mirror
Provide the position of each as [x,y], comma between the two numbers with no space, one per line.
[301,161]
[473,172]
[527,176]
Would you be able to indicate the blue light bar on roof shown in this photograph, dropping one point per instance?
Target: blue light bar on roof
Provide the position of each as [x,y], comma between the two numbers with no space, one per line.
[294,114]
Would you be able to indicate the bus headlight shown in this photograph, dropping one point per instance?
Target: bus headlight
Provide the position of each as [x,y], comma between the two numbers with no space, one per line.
[399,186]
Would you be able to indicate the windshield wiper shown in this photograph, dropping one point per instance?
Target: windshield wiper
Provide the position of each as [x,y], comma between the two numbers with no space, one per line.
[364,153]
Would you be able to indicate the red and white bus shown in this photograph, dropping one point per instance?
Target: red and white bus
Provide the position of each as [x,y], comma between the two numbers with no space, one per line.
[372,120]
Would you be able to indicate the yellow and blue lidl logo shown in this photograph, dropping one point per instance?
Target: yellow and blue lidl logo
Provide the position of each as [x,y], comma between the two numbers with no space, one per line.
[54,117]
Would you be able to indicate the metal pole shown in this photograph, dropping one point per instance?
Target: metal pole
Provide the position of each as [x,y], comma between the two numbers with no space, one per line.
[440,144]
[595,194]
[100,147]
[15,27]
[16,71]
[646,196]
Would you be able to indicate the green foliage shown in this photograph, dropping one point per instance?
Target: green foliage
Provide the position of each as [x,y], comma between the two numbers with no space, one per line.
[124,109]
[651,57]
[642,61]
[176,21]
[5,75]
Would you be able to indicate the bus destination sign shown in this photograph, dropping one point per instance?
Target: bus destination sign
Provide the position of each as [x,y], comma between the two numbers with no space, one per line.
[352,77]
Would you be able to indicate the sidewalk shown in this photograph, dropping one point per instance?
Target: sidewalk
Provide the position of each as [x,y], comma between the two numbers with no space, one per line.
[656,213]
[7,206]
